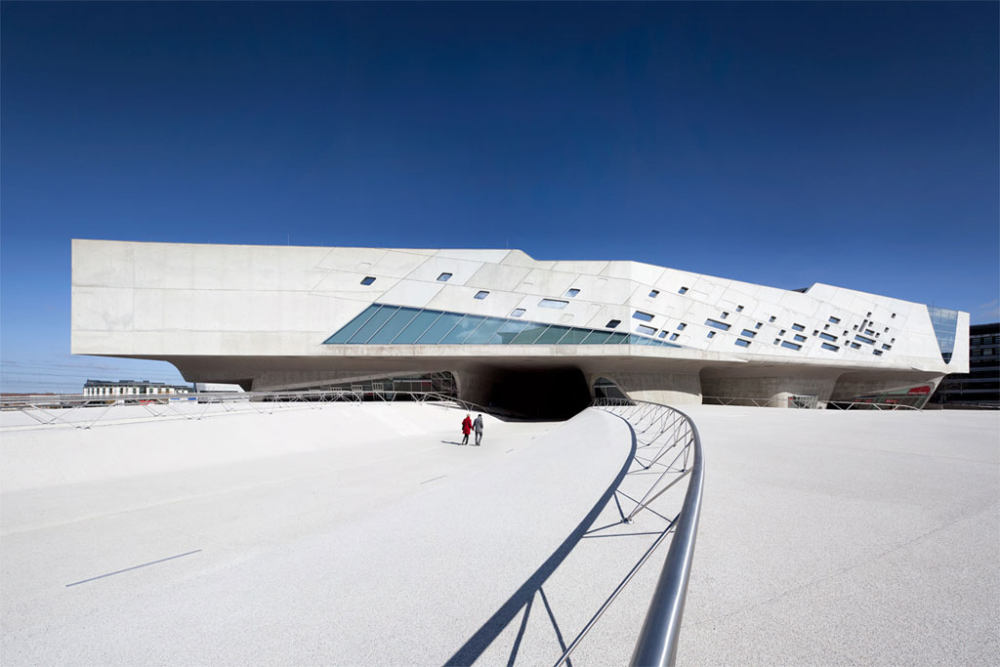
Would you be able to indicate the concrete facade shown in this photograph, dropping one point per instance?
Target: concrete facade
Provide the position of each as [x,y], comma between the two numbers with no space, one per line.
[260,316]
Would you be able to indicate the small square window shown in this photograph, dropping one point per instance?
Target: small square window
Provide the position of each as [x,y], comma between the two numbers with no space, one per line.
[725,314]
[682,326]
[654,293]
[612,324]
[777,340]
[368,280]
[781,333]
[869,314]
[711,334]
[572,291]
[825,327]
[444,277]
[894,315]
[886,330]
[517,312]
[739,309]
[682,290]
[758,325]
[815,332]
[662,334]
[481,294]
[674,336]
[772,318]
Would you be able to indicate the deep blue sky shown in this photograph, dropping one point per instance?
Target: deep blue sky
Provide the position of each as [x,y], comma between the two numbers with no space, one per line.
[783,144]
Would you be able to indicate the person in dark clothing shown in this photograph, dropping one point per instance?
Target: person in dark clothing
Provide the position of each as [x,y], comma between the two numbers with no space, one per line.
[466,429]
[477,426]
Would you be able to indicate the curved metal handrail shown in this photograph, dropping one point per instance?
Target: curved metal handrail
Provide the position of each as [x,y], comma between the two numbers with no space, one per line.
[658,639]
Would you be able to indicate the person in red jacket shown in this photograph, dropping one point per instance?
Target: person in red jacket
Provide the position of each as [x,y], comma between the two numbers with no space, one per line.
[466,429]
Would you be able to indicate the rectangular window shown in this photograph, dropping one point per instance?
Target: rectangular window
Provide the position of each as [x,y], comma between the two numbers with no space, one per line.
[781,333]
[662,334]
[834,320]
[864,339]
[571,292]
[368,280]
[877,353]
[739,309]
[748,333]
[758,325]
[481,294]
[856,346]
[772,318]
[886,347]
[444,277]
[798,327]
[642,328]
[831,348]
[682,326]
[717,324]
[517,312]
[869,332]
[711,334]
[826,336]
[553,303]
[612,324]
[742,343]
[674,336]
[725,314]
[682,290]
[777,341]
[654,293]
[799,338]
[791,346]
[645,317]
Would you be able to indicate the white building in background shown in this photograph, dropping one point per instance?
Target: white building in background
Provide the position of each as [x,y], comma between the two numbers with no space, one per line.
[514,332]
[117,388]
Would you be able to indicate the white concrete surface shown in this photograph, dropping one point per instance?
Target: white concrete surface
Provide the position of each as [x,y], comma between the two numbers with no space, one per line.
[360,534]
[846,538]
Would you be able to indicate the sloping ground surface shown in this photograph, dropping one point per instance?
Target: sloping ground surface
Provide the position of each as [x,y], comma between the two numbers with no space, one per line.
[846,538]
[339,534]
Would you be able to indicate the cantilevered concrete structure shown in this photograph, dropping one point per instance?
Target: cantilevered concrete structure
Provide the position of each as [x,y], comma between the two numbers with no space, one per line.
[513,331]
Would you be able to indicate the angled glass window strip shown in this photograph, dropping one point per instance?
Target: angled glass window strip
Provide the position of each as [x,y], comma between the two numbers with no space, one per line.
[373,324]
[381,324]
[368,280]
[642,328]
[508,331]
[829,337]
[791,346]
[742,343]
[417,326]
[831,348]
[466,326]
[437,331]
[645,317]
[552,335]
[553,303]
[597,337]
[571,292]
[717,324]
[345,332]
[575,336]
[486,334]
[530,334]
[394,326]
[748,333]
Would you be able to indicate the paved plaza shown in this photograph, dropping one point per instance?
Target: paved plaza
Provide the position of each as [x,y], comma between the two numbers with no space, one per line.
[363,534]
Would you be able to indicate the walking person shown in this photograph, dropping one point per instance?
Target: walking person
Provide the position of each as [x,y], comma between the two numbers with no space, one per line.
[466,429]
[478,426]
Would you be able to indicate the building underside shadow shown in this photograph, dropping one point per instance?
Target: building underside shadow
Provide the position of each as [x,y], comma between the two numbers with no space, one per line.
[550,394]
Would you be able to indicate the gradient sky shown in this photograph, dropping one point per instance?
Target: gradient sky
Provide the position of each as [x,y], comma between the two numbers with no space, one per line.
[781,144]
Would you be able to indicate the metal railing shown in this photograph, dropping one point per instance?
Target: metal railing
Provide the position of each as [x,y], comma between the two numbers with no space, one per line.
[669,432]
[85,412]
[757,402]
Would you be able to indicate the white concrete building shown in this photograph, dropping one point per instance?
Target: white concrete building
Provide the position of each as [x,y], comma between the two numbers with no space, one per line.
[514,331]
